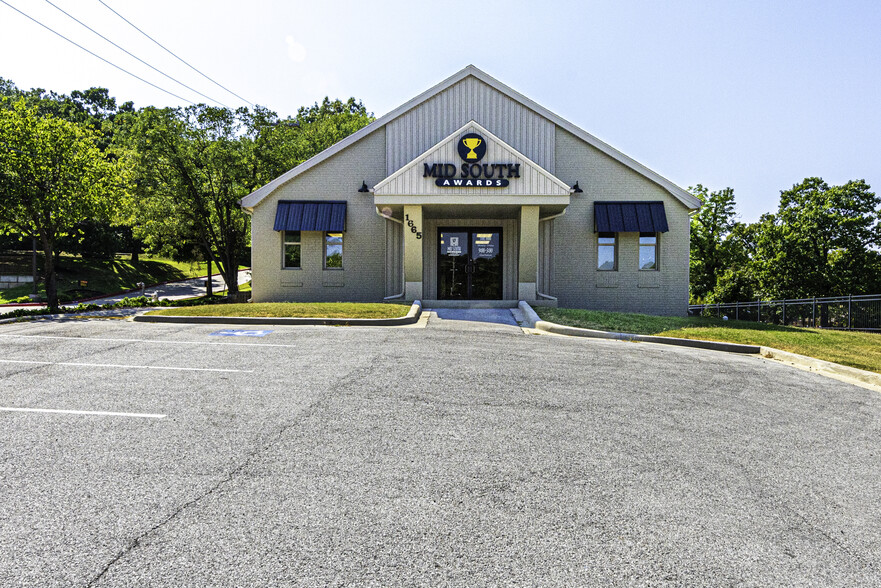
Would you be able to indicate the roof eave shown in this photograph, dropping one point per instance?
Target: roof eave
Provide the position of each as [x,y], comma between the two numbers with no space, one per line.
[690,201]
[254,198]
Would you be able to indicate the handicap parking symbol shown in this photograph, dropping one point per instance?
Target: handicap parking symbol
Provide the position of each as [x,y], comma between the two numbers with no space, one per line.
[240,333]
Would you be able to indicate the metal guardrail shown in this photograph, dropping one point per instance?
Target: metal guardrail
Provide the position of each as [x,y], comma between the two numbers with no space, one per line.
[856,313]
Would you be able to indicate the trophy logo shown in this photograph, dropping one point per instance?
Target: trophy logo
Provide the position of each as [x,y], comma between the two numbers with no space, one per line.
[472,143]
[472,147]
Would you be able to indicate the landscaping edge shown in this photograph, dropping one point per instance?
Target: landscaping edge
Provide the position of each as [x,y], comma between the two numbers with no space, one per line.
[410,318]
[826,368]
[549,327]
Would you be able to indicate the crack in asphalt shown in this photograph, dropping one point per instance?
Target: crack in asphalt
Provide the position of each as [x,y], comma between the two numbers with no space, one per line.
[841,546]
[758,489]
[249,458]
[136,542]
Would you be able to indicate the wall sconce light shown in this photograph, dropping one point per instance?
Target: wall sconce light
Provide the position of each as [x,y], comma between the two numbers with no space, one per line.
[576,189]
[363,188]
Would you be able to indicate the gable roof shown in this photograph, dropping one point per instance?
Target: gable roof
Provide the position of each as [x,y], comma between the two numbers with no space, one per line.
[254,198]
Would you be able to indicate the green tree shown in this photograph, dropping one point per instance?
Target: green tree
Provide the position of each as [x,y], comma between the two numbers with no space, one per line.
[278,145]
[191,170]
[195,164]
[52,176]
[94,107]
[823,241]
[97,109]
[712,251]
[738,280]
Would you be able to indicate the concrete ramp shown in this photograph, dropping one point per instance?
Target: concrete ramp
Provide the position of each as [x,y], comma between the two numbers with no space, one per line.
[501,319]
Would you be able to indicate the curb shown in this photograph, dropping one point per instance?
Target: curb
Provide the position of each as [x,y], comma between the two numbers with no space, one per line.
[111,313]
[411,317]
[548,327]
[529,314]
[826,368]
[699,343]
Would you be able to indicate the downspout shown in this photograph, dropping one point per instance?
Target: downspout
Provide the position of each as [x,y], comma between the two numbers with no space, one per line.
[403,283]
[541,220]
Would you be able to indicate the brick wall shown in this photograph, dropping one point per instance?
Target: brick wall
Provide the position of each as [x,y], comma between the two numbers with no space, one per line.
[363,276]
[575,280]
[573,277]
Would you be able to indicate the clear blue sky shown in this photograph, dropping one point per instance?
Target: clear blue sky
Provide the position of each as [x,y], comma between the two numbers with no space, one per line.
[751,95]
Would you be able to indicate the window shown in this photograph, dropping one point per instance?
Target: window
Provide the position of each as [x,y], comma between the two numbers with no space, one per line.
[648,251]
[292,249]
[333,251]
[607,251]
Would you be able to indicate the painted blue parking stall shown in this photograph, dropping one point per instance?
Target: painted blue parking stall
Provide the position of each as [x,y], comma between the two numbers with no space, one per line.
[240,333]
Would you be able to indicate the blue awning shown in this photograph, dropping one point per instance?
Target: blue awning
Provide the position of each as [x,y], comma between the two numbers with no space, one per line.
[630,217]
[310,215]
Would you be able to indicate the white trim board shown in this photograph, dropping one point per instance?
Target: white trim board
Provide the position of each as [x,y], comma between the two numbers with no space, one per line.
[554,186]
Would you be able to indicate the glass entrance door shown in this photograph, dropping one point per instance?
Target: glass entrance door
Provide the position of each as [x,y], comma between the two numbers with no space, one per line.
[469,264]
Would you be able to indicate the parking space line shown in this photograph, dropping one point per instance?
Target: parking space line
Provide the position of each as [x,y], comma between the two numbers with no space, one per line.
[154,341]
[141,415]
[125,366]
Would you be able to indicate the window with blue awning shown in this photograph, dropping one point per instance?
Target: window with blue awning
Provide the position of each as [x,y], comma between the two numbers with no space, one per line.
[310,215]
[629,217]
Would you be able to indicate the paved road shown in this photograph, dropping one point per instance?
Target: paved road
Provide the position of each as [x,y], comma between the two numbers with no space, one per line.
[465,453]
[180,289]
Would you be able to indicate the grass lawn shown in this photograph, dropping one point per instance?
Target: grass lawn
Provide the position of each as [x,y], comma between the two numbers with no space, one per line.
[852,348]
[105,276]
[293,309]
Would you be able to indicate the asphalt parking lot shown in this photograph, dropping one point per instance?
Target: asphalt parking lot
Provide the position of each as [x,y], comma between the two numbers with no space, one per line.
[460,454]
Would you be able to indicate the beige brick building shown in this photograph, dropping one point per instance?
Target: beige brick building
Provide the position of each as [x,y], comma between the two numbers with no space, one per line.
[473,194]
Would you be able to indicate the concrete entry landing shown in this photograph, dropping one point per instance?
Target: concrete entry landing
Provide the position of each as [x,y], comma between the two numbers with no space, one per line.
[484,319]
[469,304]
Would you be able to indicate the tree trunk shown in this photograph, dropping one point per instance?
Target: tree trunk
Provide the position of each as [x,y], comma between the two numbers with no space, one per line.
[49,271]
[209,283]
[229,269]
[134,244]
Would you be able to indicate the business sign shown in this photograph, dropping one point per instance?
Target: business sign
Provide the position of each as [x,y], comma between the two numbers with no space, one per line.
[471,173]
[452,243]
[485,246]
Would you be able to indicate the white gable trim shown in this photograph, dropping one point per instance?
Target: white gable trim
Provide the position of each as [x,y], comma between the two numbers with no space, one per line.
[561,188]
[254,198]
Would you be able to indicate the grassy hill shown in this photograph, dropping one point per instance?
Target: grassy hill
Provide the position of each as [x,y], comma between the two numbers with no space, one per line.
[99,276]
